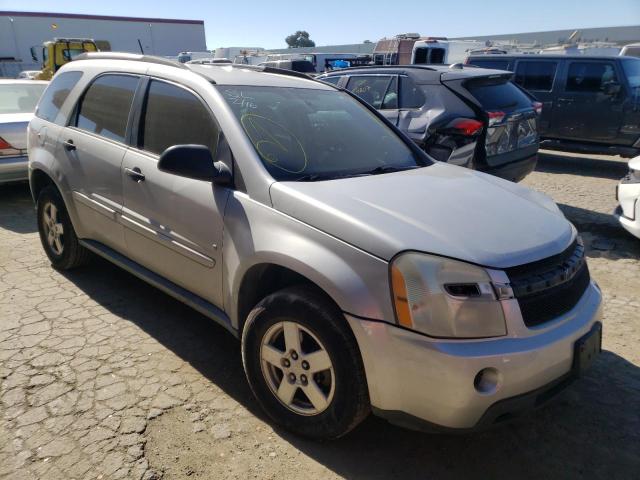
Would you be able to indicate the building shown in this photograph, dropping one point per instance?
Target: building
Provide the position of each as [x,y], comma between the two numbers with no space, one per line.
[618,35]
[19,31]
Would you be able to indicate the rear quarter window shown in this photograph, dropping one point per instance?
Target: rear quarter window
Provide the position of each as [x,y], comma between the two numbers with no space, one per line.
[333,80]
[496,94]
[56,94]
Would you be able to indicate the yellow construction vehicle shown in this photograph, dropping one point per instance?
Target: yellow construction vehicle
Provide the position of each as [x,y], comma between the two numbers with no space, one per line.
[57,52]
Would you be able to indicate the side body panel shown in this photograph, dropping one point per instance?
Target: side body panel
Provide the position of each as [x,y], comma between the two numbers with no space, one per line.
[173,226]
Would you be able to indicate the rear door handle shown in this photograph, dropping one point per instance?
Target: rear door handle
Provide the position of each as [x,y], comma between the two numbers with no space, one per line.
[135,173]
[69,146]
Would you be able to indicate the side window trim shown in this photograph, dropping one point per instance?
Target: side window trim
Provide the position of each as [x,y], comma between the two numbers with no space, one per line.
[136,141]
[73,117]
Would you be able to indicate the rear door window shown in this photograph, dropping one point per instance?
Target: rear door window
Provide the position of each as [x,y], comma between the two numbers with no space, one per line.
[372,89]
[495,64]
[411,95]
[104,108]
[56,94]
[175,116]
[534,75]
[590,77]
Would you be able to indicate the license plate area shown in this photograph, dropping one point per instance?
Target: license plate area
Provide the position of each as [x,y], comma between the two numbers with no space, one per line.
[586,349]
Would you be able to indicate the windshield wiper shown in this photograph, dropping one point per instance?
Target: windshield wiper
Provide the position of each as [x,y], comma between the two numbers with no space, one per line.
[388,169]
[314,177]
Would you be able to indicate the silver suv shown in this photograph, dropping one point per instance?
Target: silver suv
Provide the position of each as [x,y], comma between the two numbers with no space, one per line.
[358,274]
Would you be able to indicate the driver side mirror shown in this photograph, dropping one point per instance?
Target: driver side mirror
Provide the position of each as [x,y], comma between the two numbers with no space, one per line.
[195,161]
[612,88]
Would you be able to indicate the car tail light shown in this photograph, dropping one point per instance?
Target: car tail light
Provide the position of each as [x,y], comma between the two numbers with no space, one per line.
[495,117]
[465,126]
[537,106]
[6,149]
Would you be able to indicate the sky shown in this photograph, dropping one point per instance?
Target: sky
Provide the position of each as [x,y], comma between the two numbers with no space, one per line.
[265,23]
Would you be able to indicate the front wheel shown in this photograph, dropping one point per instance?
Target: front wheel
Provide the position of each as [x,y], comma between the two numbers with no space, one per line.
[303,364]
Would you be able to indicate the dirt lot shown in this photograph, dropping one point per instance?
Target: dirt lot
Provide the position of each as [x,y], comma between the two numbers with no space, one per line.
[105,377]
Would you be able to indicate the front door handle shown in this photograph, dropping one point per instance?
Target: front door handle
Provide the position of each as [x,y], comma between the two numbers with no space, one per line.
[69,146]
[135,173]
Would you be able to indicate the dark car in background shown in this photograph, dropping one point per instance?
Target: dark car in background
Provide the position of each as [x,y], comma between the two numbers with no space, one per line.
[590,104]
[464,116]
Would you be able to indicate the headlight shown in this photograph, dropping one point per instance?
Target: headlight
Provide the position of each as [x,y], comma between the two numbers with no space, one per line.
[446,298]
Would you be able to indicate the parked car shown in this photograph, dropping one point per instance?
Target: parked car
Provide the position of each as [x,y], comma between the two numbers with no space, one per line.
[28,74]
[303,66]
[590,104]
[628,197]
[208,61]
[18,99]
[463,116]
[357,273]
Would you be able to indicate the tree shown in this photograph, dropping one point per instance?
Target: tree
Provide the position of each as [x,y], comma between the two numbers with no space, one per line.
[299,39]
[367,41]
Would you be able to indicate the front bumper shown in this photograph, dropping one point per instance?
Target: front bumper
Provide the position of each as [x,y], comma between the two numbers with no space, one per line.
[14,169]
[628,210]
[415,380]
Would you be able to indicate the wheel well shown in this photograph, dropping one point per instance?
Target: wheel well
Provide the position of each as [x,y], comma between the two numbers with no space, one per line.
[264,279]
[38,181]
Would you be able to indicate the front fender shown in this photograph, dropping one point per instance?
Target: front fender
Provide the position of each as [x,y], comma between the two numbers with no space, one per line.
[257,234]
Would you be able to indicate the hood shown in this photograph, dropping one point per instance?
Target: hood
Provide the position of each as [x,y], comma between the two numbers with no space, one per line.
[441,209]
[13,128]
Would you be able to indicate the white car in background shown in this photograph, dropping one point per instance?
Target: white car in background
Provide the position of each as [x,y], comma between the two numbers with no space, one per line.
[28,74]
[18,100]
[628,196]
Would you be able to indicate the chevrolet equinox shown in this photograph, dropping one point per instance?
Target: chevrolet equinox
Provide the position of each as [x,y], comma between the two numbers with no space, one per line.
[359,275]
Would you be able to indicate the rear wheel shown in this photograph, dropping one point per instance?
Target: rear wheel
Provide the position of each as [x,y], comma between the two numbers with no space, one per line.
[57,235]
[303,364]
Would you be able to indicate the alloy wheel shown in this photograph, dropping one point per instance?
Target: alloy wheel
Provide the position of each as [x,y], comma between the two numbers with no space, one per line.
[297,368]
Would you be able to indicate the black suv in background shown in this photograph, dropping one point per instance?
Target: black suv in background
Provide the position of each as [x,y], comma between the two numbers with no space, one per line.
[590,104]
[464,116]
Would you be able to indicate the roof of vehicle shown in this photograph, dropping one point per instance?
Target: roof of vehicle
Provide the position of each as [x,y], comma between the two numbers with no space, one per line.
[219,73]
[421,73]
[550,56]
[26,81]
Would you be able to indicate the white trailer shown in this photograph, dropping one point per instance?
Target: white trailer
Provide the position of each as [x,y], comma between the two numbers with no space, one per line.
[442,51]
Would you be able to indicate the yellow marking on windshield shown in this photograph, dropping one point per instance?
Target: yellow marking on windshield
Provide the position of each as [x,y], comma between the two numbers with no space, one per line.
[253,123]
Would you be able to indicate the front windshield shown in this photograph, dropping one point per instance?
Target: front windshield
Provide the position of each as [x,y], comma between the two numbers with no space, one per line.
[312,134]
[20,97]
[632,70]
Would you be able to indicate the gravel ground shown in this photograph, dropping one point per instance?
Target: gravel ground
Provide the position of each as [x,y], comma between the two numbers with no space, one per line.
[102,376]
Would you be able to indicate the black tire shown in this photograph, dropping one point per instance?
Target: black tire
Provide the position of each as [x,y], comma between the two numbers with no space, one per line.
[72,253]
[349,404]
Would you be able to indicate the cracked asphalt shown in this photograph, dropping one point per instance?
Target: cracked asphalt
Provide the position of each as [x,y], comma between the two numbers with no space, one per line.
[102,376]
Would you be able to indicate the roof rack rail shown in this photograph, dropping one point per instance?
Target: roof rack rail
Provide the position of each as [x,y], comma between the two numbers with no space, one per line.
[130,56]
[258,68]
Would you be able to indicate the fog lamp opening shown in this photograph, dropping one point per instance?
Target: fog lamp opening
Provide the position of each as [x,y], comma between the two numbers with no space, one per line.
[487,381]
